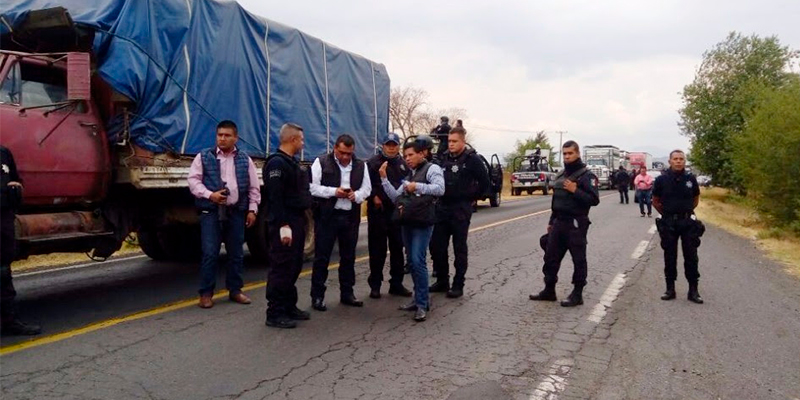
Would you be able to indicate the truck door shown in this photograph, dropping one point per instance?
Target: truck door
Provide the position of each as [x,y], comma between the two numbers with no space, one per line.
[61,151]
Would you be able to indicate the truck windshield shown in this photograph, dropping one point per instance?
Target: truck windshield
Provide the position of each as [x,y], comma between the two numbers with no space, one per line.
[32,85]
[596,162]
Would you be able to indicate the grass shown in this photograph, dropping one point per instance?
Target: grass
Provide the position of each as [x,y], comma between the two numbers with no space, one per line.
[737,215]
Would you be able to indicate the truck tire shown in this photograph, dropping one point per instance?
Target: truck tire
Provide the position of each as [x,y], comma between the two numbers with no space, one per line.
[530,191]
[495,200]
[308,248]
[257,239]
[171,242]
[151,245]
[546,188]
[516,191]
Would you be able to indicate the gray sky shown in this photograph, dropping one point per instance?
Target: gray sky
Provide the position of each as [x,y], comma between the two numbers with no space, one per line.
[607,72]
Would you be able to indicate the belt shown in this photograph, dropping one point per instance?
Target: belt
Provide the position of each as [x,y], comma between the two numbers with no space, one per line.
[677,215]
[340,211]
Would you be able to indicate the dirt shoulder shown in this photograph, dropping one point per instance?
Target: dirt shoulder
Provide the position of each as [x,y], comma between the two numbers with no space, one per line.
[735,215]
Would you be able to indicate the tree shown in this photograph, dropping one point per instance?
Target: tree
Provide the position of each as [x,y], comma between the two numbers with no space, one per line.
[410,114]
[766,154]
[724,91]
[529,144]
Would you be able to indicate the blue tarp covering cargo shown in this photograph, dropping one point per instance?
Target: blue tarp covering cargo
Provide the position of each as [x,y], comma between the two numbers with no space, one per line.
[189,64]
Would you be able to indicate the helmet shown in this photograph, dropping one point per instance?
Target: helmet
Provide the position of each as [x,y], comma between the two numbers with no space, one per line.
[426,141]
[445,119]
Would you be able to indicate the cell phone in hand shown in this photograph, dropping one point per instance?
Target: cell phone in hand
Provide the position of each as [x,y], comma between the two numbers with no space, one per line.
[347,190]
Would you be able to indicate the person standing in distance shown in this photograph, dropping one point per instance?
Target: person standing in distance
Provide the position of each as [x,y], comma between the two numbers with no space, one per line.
[10,200]
[380,227]
[425,182]
[465,178]
[287,193]
[644,187]
[574,193]
[622,180]
[225,185]
[675,195]
[340,182]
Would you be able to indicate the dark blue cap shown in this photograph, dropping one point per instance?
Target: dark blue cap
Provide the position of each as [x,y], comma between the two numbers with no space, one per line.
[392,137]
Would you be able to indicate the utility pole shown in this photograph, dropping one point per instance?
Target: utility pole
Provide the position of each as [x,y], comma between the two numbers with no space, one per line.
[560,145]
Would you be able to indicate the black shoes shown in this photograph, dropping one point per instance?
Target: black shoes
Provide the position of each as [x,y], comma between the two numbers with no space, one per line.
[547,294]
[455,293]
[694,295]
[439,287]
[642,215]
[575,298]
[281,322]
[420,315]
[670,293]
[299,315]
[375,294]
[649,215]
[318,303]
[19,328]
[400,290]
[351,300]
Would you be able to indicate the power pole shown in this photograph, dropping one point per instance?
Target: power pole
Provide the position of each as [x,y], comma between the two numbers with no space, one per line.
[560,145]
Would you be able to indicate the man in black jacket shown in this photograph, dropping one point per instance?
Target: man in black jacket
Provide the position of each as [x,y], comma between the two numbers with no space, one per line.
[622,180]
[288,198]
[10,199]
[574,192]
[465,179]
[381,229]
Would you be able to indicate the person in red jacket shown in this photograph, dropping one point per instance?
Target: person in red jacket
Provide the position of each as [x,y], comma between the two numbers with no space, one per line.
[644,190]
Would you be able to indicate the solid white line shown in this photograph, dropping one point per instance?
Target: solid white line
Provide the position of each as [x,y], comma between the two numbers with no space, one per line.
[79,266]
[652,230]
[612,291]
[640,249]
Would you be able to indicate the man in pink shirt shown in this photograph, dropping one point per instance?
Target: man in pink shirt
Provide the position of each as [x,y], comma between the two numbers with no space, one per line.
[644,189]
[224,183]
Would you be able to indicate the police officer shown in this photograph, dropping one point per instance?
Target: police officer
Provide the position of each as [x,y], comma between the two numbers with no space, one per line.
[288,197]
[465,178]
[441,132]
[574,192]
[622,180]
[676,195]
[379,220]
[10,199]
[340,183]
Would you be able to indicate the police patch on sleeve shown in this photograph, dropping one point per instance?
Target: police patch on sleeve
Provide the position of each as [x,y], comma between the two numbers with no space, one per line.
[6,170]
[689,184]
[275,173]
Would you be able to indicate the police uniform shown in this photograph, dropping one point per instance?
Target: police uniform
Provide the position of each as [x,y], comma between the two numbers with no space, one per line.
[10,199]
[569,223]
[676,191]
[465,178]
[381,229]
[288,198]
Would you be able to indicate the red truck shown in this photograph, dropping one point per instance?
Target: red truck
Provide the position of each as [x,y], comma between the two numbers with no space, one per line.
[86,188]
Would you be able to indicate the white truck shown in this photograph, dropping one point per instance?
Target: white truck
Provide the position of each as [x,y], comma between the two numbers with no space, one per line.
[602,160]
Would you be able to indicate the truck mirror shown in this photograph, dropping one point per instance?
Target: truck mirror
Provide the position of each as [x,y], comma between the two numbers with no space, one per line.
[78,76]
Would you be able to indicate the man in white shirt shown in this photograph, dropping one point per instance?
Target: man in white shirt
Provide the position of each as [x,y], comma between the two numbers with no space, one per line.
[339,184]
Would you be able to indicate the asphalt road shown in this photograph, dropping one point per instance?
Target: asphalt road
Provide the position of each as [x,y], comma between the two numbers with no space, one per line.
[130,329]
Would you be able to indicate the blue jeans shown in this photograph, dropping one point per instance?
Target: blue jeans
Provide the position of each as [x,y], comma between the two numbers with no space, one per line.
[212,233]
[416,240]
[644,197]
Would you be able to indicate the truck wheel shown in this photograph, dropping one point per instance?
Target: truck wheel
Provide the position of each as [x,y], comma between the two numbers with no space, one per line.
[181,242]
[150,244]
[257,239]
[308,248]
[494,201]
[546,188]
[530,191]
[517,192]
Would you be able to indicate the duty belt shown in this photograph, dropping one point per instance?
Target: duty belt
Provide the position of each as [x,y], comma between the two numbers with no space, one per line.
[678,215]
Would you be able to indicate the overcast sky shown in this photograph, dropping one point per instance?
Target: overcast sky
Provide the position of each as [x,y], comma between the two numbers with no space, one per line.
[606,72]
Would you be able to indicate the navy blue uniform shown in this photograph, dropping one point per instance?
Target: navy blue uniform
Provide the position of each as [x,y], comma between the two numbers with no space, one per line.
[677,191]
[380,228]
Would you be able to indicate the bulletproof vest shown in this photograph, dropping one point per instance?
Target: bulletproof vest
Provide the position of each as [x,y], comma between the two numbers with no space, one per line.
[564,202]
[332,176]
[297,196]
[459,183]
[677,195]
[396,171]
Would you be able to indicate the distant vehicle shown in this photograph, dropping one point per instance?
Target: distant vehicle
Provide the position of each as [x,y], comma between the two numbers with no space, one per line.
[602,160]
[495,170]
[529,176]
[654,173]
[704,180]
[637,160]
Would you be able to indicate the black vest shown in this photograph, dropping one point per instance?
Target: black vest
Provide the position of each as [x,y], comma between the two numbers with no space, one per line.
[332,176]
[296,195]
[564,202]
[396,171]
[460,184]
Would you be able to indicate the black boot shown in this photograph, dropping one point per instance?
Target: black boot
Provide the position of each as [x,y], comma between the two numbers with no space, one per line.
[694,295]
[547,294]
[670,293]
[575,298]
[440,286]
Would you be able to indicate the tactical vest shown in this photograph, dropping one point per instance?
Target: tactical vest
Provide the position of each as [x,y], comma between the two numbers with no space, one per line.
[297,196]
[416,210]
[332,176]
[396,171]
[212,179]
[564,202]
[459,183]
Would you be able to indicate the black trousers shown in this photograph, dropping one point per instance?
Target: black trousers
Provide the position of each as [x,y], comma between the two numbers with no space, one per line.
[566,234]
[341,227]
[623,194]
[670,230]
[381,231]
[458,229]
[285,262]
[7,250]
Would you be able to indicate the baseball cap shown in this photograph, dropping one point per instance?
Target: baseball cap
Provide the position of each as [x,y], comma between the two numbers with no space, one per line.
[392,137]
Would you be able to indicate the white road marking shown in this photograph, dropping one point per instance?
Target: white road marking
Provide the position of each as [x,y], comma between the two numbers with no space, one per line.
[652,230]
[554,381]
[612,291]
[640,249]
[79,266]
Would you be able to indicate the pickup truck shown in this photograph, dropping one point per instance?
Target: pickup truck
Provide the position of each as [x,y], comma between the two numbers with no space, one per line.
[528,177]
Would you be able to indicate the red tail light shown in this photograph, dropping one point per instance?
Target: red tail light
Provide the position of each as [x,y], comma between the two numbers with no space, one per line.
[542,177]
[513,177]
